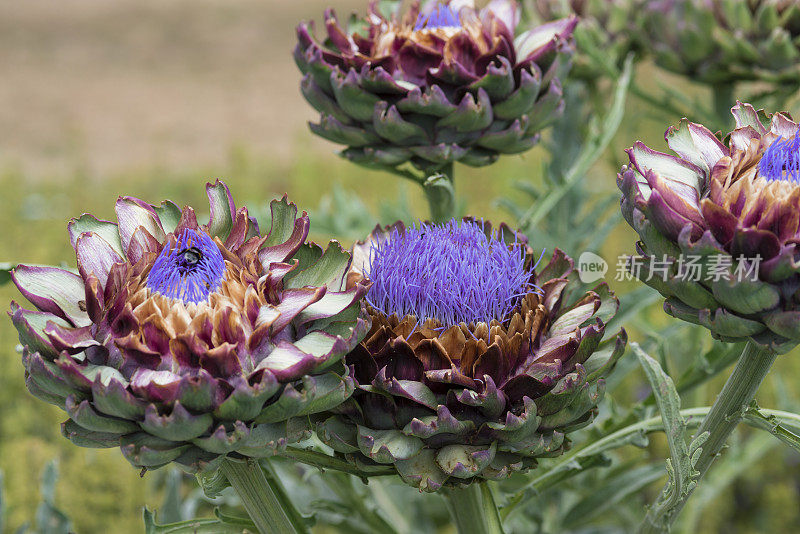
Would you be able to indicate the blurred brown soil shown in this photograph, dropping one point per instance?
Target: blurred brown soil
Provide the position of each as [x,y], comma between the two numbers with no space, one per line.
[117,85]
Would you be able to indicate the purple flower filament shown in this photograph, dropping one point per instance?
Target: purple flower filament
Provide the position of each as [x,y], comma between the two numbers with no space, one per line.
[443,16]
[452,273]
[190,270]
[781,161]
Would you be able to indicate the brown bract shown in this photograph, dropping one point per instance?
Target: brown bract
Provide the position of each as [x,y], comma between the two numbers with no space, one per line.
[740,196]
[523,355]
[442,40]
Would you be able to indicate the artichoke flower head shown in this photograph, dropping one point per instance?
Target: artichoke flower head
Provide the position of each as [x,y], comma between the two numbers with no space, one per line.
[476,364]
[732,208]
[177,341]
[442,82]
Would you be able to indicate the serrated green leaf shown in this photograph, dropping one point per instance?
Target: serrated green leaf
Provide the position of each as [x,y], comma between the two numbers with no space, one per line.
[773,425]
[610,494]
[680,465]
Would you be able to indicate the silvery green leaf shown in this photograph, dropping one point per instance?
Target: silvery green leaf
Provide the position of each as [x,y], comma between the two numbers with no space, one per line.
[680,465]
[614,490]
[49,518]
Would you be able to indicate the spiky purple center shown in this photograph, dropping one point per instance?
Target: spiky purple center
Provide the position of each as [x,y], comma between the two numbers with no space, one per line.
[452,272]
[781,160]
[443,16]
[190,270]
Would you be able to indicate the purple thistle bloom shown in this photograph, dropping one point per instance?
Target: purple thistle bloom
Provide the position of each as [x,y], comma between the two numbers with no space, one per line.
[179,341]
[443,16]
[494,380]
[189,270]
[781,161]
[452,273]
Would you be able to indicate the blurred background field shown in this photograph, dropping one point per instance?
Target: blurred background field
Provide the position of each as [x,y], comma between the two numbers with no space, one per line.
[152,99]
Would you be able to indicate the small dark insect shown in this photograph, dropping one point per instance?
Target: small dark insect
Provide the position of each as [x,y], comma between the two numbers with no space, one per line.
[191,256]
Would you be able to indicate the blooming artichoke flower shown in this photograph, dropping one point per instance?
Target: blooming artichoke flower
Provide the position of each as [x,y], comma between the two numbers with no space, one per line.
[443,82]
[719,226]
[610,26]
[725,41]
[475,364]
[186,342]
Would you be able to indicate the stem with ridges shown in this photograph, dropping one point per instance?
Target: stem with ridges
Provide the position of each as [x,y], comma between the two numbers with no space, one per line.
[258,498]
[473,509]
[439,189]
[726,413]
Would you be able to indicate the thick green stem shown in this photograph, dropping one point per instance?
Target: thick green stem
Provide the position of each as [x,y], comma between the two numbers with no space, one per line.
[729,408]
[727,412]
[258,498]
[723,102]
[473,509]
[439,189]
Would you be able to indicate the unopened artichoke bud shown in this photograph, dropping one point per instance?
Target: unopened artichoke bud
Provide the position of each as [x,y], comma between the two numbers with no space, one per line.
[719,225]
[440,83]
[725,41]
[476,364]
[608,31]
[185,342]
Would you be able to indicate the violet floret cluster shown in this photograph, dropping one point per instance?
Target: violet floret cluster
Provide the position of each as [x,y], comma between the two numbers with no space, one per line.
[443,16]
[189,270]
[781,161]
[452,273]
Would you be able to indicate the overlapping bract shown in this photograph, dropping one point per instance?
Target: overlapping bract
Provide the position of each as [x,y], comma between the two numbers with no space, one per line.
[725,41]
[230,366]
[413,88]
[718,203]
[448,406]
[607,32]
